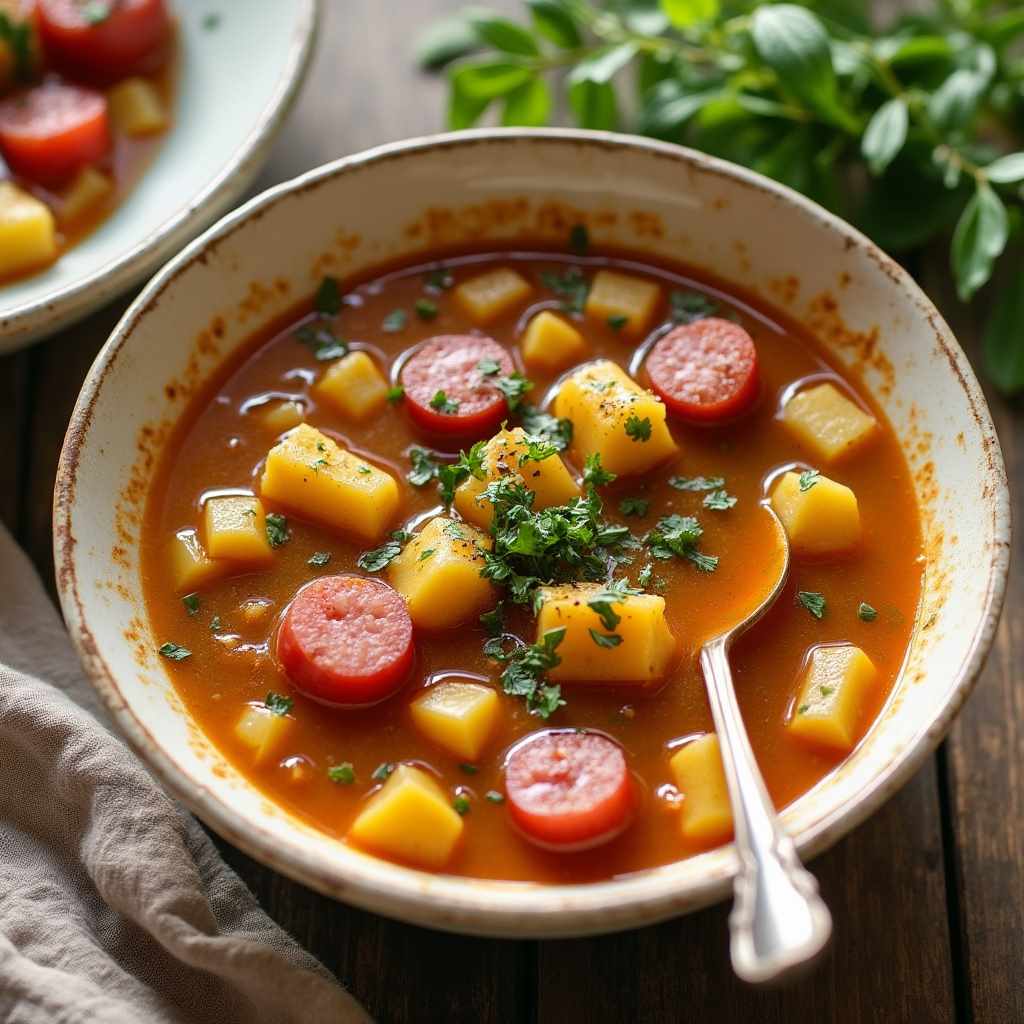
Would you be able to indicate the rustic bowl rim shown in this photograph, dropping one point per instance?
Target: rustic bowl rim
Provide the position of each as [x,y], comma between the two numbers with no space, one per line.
[475,907]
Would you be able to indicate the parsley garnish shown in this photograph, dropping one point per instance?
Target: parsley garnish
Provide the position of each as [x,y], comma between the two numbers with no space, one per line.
[617,321]
[394,321]
[571,285]
[278,704]
[615,592]
[450,476]
[378,558]
[383,770]
[344,773]
[719,501]
[605,639]
[395,394]
[454,531]
[494,620]
[426,554]
[812,601]
[638,429]
[579,239]
[489,367]
[174,652]
[677,535]
[438,280]
[537,450]
[327,301]
[18,36]
[469,769]
[643,577]
[277,529]
[461,804]
[545,427]
[696,483]
[319,559]
[494,797]
[690,306]
[634,507]
[525,670]
[424,468]
[866,613]
[513,387]
[425,309]
[808,478]
[191,603]
[321,342]
[443,404]
[593,474]
[215,624]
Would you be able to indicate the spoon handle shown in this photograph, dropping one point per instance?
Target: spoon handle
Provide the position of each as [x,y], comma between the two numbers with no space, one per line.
[778,923]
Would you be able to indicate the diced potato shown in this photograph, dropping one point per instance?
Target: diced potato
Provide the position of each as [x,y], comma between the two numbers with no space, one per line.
[457,716]
[621,295]
[550,344]
[88,191]
[354,386]
[235,528]
[548,479]
[282,416]
[28,237]
[827,422]
[308,472]
[191,567]
[488,295]
[438,574]
[136,107]
[262,730]
[645,652]
[821,520]
[830,706]
[611,414]
[706,814]
[409,819]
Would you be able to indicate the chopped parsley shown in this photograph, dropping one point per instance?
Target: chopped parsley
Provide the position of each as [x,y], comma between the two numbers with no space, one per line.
[327,301]
[866,613]
[696,483]
[277,529]
[469,769]
[277,703]
[634,507]
[395,394]
[537,450]
[638,429]
[394,321]
[605,639]
[546,427]
[191,603]
[826,691]
[494,797]
[579,239]
[812,601]
[321,342]
[365,470]
[803,709]
[18,37]
[424,468]
[438,280]
[378,558]
[319,559]
[617,321]
[676,535]
[425,309]
[461,804]
[525,671]
[494,620]
[615,592]
[454,531]
[571,286]
[426,554]
[344,774]
[215,624]
[450,475]
[443,404]
[644,576]
[316,464]
[719,501]
[489,367]
[513,387]
[808,478]
[593,473]
[687,306]
[383,770]
[174,652]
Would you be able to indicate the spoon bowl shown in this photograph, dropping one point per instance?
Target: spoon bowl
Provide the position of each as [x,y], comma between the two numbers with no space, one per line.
[779,924]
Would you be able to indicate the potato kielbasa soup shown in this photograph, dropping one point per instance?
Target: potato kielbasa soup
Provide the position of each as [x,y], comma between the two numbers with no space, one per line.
[432,559]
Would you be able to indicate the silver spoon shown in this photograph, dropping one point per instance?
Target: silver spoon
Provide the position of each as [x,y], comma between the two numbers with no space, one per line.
[779,923]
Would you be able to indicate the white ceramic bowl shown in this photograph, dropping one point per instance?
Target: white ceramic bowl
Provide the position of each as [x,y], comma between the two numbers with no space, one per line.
[236,81]
[472,188]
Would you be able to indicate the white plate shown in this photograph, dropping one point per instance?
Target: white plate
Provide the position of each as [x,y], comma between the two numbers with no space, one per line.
[236,81]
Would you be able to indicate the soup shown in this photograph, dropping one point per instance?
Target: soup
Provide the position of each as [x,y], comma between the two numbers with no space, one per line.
[431,561]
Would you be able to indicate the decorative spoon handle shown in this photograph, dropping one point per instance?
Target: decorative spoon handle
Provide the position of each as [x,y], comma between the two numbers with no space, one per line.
[779,923]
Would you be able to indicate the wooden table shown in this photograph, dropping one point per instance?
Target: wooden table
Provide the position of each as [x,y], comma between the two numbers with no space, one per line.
[928,896]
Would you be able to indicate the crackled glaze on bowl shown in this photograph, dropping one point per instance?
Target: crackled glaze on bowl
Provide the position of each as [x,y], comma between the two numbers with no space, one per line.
[478,187]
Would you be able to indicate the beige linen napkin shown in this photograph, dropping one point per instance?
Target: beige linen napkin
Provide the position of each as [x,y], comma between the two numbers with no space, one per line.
[115,907]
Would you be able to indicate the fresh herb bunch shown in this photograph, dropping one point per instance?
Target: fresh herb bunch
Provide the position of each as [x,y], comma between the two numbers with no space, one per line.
[906,131]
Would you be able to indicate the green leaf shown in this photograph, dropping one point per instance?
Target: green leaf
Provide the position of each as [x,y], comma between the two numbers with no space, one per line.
[813,601]
[278,704]
[686,13]
[591,94]
[954,103]
[487,80]
[277,529]
[503,34]
[529,105]
[445,40]
[909,50]
[1006,170]
[670,106]
[464,111]
[1004,338]
[174,652]
[885,134]
[555,23]
[978,240]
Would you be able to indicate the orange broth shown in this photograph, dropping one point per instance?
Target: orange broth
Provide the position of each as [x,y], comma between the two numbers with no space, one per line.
[220,444]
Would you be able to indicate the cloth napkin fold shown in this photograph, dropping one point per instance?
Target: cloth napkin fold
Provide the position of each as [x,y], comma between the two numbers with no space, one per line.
[115,907]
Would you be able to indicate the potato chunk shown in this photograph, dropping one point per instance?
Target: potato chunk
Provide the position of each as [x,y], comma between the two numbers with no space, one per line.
[354,386]
[706,814]
[621,295]
[191,567]
[827,422]
[488,295]
[645,652]
[409,819]
[27,234]
[550,344]
[89,190]
[821,520]
[307,471]
[612,415]
[235,529]
[830,706]
[503,459]
[262,730]
[136,107]
[457,716]
[438,574]
[282,416]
